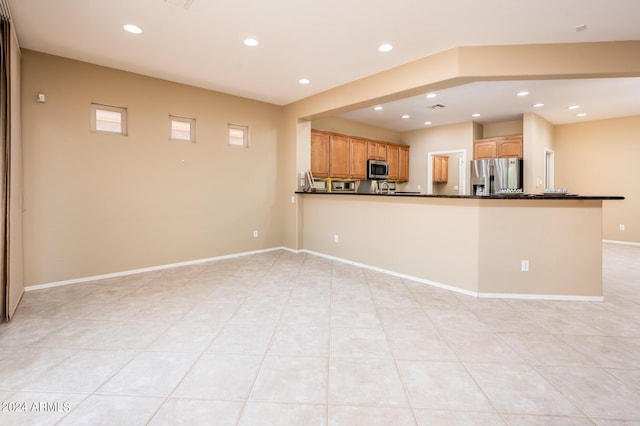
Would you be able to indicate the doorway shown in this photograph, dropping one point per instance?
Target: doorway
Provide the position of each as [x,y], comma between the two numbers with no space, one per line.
[549,165]
[456,184]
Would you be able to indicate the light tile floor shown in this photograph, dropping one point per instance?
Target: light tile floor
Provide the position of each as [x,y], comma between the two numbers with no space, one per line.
[294,339]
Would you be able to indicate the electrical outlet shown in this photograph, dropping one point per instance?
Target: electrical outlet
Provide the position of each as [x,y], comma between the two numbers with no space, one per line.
[336,238]
[622,227]
[293,199]
[525,266]
[255,234]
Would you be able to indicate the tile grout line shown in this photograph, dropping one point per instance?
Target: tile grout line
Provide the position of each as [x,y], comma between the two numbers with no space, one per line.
[330,339]
[439,332]
[395,361]
[266,352]
[203,352]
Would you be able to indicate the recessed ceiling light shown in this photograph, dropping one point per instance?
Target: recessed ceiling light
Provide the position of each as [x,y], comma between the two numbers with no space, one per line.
[385,47]
[431,95]
[251,42]
[537,105]
[523,93]
[406,116]
[574,107]
[378,108]
[582,114]
[427,123]
[133,29]
[475,115]
[304,81]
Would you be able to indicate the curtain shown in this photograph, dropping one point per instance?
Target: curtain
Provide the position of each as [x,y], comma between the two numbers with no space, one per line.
[5,158]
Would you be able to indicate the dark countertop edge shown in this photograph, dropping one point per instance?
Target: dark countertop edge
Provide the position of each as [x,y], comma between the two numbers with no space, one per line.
[473,197]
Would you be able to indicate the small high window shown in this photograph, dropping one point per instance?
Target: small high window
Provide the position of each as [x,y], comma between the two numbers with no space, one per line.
[238,135]
[182,129]
[108,119]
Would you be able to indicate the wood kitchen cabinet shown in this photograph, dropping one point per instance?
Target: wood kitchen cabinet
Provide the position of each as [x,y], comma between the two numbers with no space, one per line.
[357,158]
[398,159]
[403,160]
[440,169]
[339,156]
[485,148]
[393,158]
[510,146]
[320,154]
[498,147]
[377,150]
[334,155]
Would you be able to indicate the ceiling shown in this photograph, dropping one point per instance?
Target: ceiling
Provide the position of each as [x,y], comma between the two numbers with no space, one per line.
[333,42]
[498,101]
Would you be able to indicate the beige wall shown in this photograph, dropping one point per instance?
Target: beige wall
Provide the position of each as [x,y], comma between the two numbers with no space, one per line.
[538,136]
[434,240]
[601,157]
[97,204]
[352,128]
[560,239]
[437,139]
[473,245]
[504,128]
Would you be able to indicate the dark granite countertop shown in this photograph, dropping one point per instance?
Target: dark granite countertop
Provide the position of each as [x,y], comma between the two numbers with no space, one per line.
[492,197]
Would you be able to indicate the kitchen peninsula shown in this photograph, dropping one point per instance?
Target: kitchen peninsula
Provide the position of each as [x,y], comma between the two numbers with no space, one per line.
[479,246]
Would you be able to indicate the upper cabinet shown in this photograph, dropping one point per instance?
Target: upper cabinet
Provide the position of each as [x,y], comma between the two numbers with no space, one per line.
[485,148]
[339,156]
[440,168]
[358,158]
[377,150]
[334,155]
[510,146]
[498,147]
[398,159]
[403,174]
[320,154]
[393,158]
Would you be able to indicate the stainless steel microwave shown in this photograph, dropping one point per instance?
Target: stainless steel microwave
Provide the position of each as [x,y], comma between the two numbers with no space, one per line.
[377,169]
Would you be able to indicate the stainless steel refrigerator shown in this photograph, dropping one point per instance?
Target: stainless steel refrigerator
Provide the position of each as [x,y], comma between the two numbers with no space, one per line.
[496,175]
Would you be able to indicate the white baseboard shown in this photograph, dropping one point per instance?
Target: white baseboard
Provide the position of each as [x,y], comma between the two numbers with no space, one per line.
[313,253]
[460,290]
[625,243]
[541,297]
[395,274]
[149,269]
